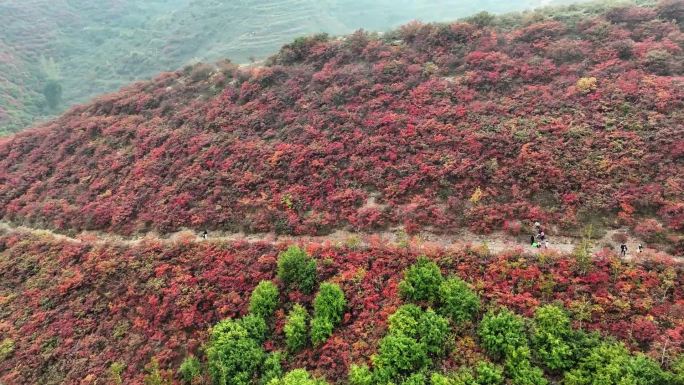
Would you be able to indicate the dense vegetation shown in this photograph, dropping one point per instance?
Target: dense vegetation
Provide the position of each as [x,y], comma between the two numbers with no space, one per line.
[87,48]
[210,312]
[569,118]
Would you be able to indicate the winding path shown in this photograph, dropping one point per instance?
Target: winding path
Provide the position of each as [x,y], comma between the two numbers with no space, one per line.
[495,242]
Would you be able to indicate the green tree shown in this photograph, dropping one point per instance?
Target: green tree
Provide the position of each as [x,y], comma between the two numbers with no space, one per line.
[233,357]
[330,303]
[427,327]
[272,368]
[321,330]
[421,281]
[156,376]
[500,332]
[295,328]
[457,301]
[264,299]
[551,337]
[520,370]
[296,268]
[255,326]
[609,363]
[398,356]
[53,93]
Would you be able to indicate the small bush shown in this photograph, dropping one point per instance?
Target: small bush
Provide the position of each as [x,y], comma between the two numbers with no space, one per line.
[330,303]
[297,377]
[296,268]
[156,376]
[405,320]
[440,379]
[264,299]
[6,348]
[360,375]
[190,369]
[457,300]
[500,332]
[415,379]
[421,281]
[295,328]
[321,330]
[115,371]
[586,85]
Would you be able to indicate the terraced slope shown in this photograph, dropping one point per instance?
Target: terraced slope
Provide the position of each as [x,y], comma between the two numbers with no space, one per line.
[97,47]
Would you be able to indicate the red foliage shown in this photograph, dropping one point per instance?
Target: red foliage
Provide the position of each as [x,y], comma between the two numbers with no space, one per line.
[82,307]
[422,122]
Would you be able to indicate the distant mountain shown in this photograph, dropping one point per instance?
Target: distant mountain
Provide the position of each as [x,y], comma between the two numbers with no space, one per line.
[87,48]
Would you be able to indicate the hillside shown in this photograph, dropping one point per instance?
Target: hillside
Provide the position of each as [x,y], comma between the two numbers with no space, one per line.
[77,313]
[89,48]
[567,118]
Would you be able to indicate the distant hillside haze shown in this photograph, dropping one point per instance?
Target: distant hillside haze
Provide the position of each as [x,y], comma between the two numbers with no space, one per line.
[56,53]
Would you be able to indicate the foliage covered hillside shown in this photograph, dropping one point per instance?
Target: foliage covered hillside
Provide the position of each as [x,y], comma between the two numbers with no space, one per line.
[569,118]
[74,313]
[91,47]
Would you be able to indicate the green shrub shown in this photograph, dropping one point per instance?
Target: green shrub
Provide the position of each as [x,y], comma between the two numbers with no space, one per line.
[488,374]
[6,348]
[330,303]
[321,330]
[190,369]
[427,327]
[297,377]
[678,371]
[433,331]
[440,379]
[296,268]
[457,301]
[255,326]
[156,376]
[233,357]
[501,332]
[329,307]
[415,379]
[397,356]
[421,281]
[264,300]
[551,337]
[360,375]
[405,320]
[272,368]
[115,371]
[520,370]
[610,363]
[295,328]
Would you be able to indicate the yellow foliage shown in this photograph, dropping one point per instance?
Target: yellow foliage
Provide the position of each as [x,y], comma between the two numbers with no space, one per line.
[586,85]
[477,195]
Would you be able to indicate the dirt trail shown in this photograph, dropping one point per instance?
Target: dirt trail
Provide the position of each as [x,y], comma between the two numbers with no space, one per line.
[495,242]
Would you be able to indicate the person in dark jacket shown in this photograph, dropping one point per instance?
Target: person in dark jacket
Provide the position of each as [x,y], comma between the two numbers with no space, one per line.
[623,250]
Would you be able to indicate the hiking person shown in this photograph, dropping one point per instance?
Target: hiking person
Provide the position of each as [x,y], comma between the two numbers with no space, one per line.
[640,248]
[623,250]
[546,244]
[532,240]
[542,236]
[205,234]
